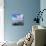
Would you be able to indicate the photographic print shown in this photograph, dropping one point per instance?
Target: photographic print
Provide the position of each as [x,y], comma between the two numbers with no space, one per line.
[17,18]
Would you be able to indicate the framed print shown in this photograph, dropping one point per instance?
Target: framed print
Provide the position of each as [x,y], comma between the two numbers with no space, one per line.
[17,18]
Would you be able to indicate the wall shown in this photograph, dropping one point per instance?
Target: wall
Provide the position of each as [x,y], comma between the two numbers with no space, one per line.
[1,21]
[43,6]
[28,8]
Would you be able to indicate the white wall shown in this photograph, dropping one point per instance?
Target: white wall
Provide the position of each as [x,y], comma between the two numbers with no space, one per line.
[43,6]
[1,21]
